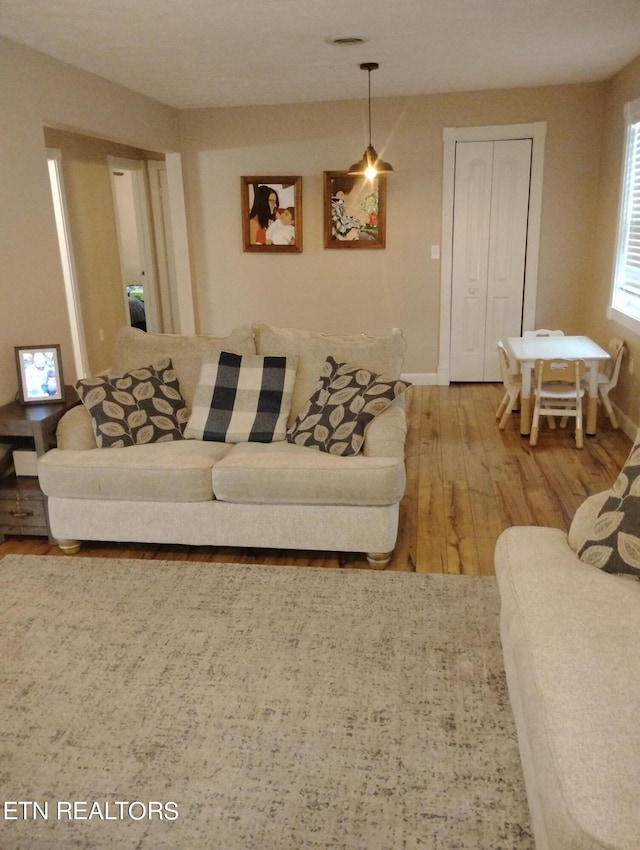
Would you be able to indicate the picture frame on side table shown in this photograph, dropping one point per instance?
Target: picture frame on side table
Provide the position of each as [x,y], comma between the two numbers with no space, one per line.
[355,211]
[271,209]
[39,370]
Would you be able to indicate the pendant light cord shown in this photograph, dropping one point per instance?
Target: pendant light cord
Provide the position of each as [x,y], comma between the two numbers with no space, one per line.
[369,70]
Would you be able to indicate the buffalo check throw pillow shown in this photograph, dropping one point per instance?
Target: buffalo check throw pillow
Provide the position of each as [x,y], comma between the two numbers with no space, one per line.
[345,401]
[242,398]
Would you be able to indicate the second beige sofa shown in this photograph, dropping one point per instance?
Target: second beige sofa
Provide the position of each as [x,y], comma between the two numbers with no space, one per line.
[570,638]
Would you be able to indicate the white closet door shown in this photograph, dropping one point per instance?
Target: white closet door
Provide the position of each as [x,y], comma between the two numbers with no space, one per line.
[491,205]
[507,247]
[471,222]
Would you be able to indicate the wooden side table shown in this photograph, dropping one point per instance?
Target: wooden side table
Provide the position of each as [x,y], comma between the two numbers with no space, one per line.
[23,505]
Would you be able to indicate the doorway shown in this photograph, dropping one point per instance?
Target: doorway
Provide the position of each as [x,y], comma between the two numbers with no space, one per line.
[492,192]
[86,210]
[490,213]
[132,208]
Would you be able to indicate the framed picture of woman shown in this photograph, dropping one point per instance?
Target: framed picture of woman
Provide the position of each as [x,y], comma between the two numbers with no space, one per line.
[354,211]
[271,214]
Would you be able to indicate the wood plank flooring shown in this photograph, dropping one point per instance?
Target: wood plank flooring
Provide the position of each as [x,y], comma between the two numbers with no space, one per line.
[466,482]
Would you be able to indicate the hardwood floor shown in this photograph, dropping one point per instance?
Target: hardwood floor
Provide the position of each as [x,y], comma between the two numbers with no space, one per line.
[466,482]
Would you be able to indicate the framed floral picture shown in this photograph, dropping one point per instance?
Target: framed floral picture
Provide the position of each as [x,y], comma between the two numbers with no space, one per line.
[354,211]
[271,214]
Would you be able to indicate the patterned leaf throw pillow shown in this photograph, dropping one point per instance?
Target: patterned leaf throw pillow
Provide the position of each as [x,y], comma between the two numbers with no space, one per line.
[141,406]
[242,398]
[344,402]
[614,542]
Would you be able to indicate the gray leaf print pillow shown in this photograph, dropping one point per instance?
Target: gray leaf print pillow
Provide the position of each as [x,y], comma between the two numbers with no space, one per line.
[344,402]
[614,542]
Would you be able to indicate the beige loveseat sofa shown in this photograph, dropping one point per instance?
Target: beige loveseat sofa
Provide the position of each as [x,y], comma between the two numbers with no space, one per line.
[249,494]
[571,644]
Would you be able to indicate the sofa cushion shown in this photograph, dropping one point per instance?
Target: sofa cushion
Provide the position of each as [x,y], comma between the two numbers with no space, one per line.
[382,355]
[613,542]
[158,472]
[346,399]
[282,473]
[138,407]
[242,398]
[135,348]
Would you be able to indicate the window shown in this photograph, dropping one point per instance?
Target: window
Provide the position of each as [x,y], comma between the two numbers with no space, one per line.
[626,284]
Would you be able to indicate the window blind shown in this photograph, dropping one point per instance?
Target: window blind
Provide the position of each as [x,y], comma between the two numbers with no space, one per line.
[626,294]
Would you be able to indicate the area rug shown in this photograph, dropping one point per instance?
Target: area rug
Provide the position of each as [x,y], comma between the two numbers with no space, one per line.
[202,706]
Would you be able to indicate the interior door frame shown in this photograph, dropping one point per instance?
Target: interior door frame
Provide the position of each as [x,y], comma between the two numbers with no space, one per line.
[137,169]
[451,136]
[161,220]
[67,260]
[184,317]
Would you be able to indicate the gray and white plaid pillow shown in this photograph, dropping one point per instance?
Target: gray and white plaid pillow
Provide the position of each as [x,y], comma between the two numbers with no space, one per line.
[242,398]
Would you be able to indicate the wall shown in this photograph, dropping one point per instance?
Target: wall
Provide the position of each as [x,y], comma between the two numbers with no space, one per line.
[376,290]
[624,87]
[36,91]
[370,291]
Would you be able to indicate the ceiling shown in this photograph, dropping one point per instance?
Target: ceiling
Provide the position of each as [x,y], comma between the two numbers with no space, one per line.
[211,53]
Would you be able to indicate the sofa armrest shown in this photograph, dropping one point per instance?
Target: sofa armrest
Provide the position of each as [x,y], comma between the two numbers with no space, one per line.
[582,523]
[386,434]
[75,430]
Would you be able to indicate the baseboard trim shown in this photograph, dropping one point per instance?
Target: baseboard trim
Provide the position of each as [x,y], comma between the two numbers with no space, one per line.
[629,427]
[421,379]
